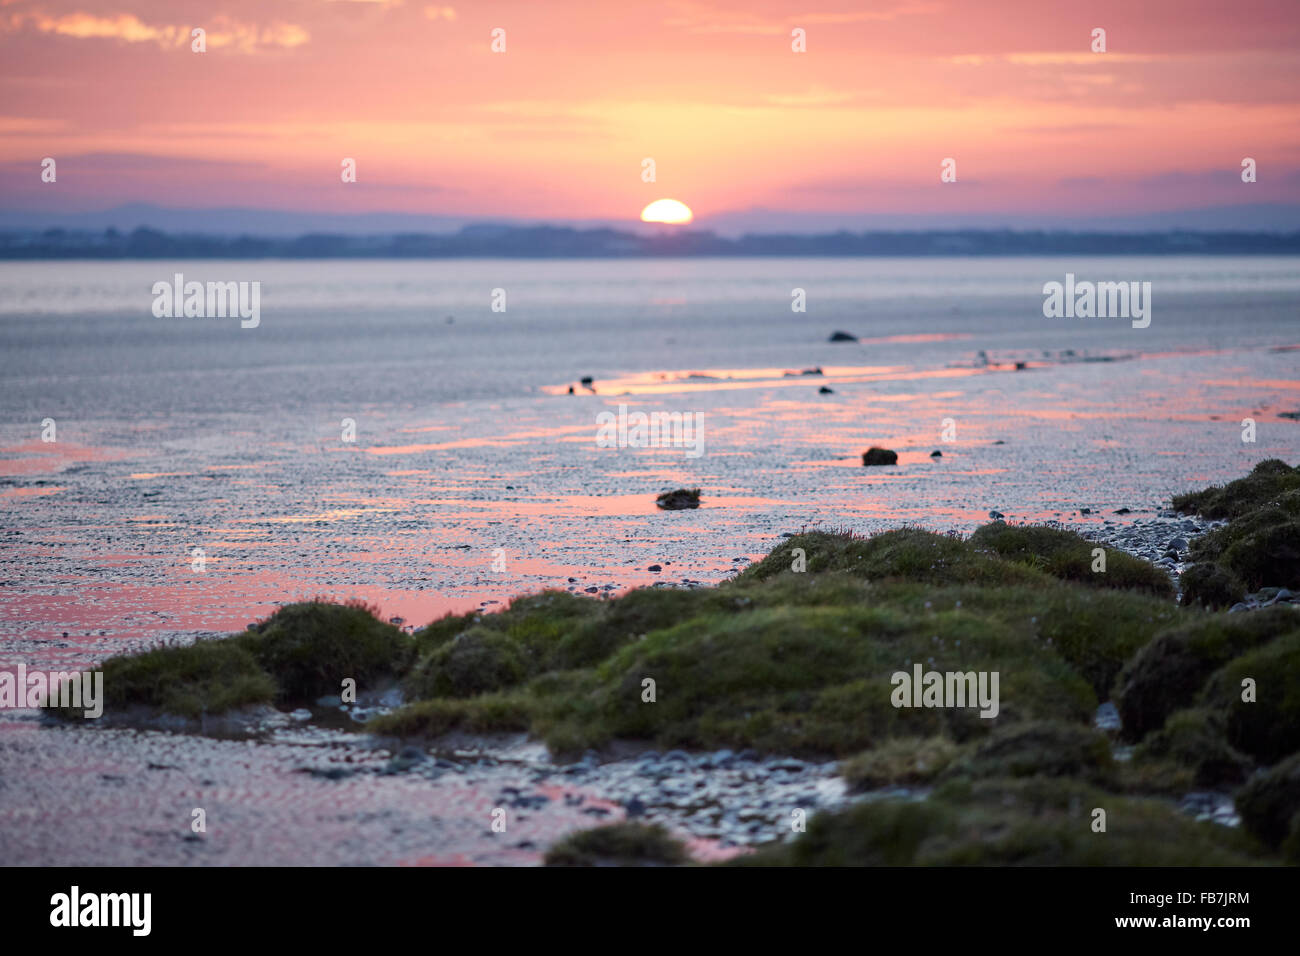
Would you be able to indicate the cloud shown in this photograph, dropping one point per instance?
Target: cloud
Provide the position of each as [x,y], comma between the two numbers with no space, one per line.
[1053,59]
[222,32]
[704,18]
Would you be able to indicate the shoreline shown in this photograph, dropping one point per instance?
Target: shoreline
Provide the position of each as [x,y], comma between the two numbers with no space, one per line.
[722,802]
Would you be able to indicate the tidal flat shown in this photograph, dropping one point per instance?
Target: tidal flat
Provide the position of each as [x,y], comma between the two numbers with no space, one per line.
[756,721]
[206,492]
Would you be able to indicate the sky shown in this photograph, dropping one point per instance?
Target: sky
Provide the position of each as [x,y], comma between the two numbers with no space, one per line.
[741,127]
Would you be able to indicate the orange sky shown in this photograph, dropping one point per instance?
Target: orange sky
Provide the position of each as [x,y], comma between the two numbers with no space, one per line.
[557,126]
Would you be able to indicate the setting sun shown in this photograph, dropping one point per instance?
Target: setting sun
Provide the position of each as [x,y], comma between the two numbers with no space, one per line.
[667,210]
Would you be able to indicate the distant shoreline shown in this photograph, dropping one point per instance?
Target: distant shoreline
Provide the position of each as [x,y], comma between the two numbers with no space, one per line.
[545,242]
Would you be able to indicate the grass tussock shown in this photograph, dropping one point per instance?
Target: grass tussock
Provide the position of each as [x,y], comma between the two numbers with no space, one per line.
[302,651]
[1037,821]
[619,844]
[1260,545]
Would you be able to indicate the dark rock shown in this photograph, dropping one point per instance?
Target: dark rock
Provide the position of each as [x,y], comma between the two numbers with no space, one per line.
[879,456]
[825,391]
[936,454]
[1123,511]
[679,499]
[654,567]
[1021,366]
[586,380]
[842,337]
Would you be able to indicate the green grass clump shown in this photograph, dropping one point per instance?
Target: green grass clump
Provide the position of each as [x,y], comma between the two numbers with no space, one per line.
[907,553]
[1212,586]
[1269,805]
[1039,821]
[302,651]
[311,647]
[208,677]
[1267,728]
[1046,748]
[807,680]
[619,844]
[1260,545]
[479,653]
[1196,741]
[474,662]
[1268,480]
[899,762]
[799,662]
[436,633]
[1069,557]
[1168,673]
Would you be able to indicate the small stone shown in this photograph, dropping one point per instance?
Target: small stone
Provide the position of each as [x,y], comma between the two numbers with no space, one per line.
[654,567]
[936,454]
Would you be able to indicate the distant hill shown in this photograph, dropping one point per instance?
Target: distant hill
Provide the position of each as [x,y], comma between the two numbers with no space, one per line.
[542,242]
[1274,217]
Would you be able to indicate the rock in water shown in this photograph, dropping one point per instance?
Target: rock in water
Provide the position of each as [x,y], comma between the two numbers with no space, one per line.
[842,337]
[936,454]
[825,391]
[679,499]
[879,456]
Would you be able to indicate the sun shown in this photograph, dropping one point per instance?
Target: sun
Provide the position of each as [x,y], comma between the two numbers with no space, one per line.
[667,210]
